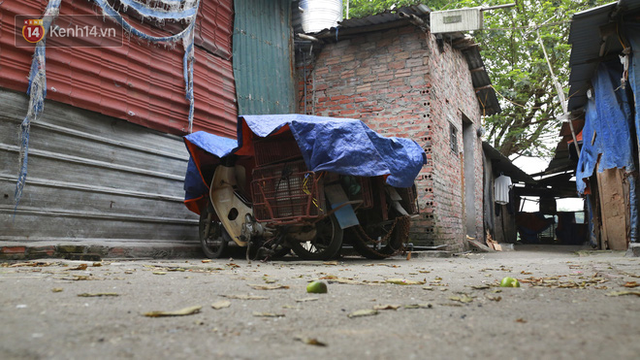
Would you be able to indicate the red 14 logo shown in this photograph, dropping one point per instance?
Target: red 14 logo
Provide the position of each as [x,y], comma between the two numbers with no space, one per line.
[32,30]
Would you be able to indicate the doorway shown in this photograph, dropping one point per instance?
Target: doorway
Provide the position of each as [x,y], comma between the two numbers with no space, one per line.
[469,139]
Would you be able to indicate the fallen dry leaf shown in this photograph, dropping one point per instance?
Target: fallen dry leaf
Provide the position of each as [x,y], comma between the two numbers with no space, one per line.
[221,304]
[159,273]
[418,306]
[494,298]
[386,307]
[259,314]
[22,264]
[56,290]
[480,287]
[361,313]
[389,265]
[427,287]
[246,297]
[80,267]
[310,341]
[307,299]
[97,264]
[408,255]
[404,282]
[268,287]
[521,320]
[206,261]
[97,294]
[331,279]
[462,298]
[78,277]
[182,312]
[626,292]
[631,284]
[331,263]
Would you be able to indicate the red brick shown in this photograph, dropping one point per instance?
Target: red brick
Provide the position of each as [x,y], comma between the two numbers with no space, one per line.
[13,250]
[396,65]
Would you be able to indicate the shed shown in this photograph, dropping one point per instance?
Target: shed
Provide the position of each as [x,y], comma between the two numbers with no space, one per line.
[604,111]
[390,71]
[100,127]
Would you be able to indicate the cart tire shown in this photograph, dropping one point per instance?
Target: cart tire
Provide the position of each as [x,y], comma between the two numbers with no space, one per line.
[281,251]
[370,250]
[327,243]
[215,242]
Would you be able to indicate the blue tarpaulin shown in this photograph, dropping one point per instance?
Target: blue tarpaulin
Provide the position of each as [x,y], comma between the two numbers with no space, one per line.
[608,126]
[633,35]
[343,146]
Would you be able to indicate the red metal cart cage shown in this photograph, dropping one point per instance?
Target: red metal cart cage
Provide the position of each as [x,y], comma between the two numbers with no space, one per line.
[286,192]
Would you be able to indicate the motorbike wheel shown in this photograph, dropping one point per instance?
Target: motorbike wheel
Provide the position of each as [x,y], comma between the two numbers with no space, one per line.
[376,251]
[281,251]
[325,245]
[215,241]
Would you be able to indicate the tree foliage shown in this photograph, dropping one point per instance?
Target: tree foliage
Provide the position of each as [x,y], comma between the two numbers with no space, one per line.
[361,8]
[514,59]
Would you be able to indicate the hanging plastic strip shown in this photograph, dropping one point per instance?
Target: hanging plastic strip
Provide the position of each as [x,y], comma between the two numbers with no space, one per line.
[37,91]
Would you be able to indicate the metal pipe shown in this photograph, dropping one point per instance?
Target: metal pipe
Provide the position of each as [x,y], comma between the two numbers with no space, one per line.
[415,20]
[308,37]
[560,92]
[497,7]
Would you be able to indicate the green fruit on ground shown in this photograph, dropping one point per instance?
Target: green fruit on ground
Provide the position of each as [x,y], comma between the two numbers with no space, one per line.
[317,287]
[509,282]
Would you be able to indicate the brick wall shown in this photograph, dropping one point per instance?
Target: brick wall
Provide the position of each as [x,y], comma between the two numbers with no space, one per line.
[400,84]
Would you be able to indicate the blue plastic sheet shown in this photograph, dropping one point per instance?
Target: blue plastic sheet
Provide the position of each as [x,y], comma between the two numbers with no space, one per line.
[343,146]
[633,35]
[609,117]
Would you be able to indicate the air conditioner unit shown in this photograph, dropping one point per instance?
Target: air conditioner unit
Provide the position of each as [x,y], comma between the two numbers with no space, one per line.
[456,20]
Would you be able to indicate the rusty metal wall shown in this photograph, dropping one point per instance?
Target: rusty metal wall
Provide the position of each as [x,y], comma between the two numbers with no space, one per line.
[138,82]
[92,178]
[262,57]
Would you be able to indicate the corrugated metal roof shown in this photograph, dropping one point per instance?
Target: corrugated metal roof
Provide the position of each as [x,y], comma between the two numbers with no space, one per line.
[588,47]
[262,57]
[365,23]
[481,82]
[391,18]
[503,164]
[382,18]
[138,82]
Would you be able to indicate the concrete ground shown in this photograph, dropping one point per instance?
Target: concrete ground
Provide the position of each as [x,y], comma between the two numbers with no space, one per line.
[571,305]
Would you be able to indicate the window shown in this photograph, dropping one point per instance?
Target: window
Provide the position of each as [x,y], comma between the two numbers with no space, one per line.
[453,138]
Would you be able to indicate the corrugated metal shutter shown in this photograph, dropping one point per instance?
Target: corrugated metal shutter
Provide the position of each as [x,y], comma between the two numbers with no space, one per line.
[92,178]
[138,82]
[262,57]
